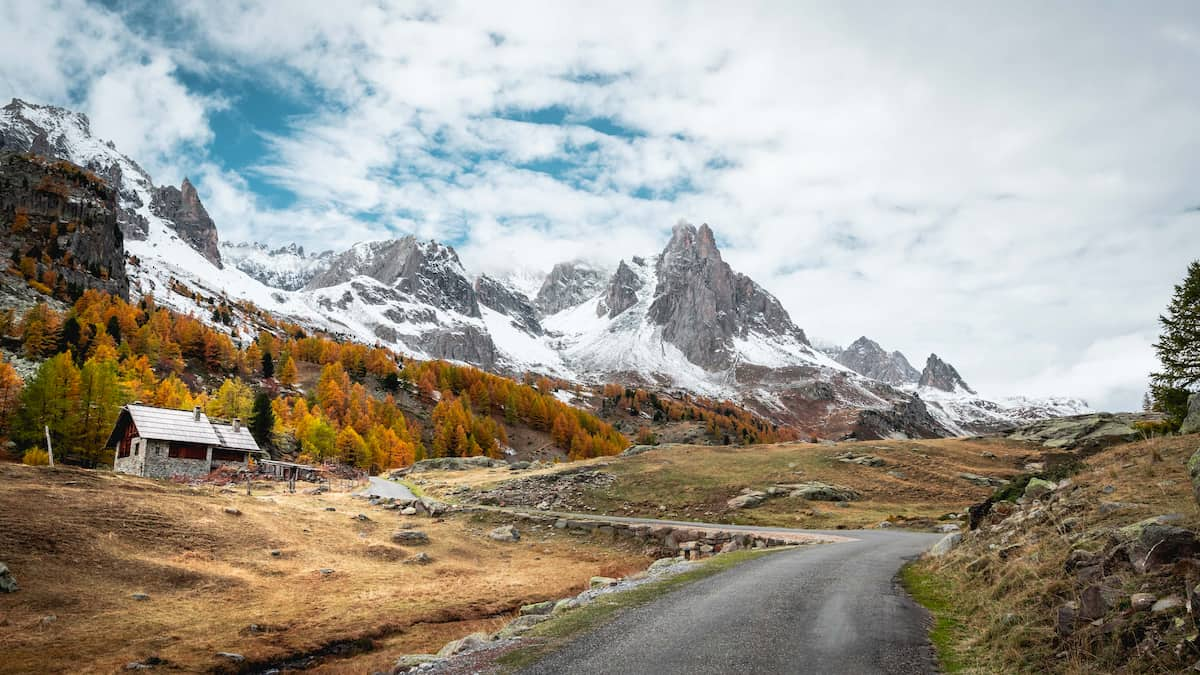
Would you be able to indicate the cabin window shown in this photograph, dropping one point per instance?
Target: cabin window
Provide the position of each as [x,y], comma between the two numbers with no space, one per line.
[228,455]
[187,451]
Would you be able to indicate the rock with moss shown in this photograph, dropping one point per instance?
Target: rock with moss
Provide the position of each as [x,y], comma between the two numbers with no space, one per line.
[471,643]
[1037,488]
[1191,423]
[8,583]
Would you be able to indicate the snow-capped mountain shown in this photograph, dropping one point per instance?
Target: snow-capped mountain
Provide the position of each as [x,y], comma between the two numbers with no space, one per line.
[679,318]
[287,267]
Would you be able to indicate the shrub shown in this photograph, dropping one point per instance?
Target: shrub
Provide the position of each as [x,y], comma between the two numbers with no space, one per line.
[36,457]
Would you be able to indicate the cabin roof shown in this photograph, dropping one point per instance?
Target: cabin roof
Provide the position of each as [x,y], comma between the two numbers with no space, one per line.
[165,424]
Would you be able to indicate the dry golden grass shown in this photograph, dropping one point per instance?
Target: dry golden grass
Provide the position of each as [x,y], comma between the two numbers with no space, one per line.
[694,482]
[1004,610]
[82,542]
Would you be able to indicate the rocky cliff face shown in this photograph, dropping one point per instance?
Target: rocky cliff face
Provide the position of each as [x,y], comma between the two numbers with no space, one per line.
[702,304]
[428,271]
[941,375]
[906,419]
[622,292]
[511,303]
[568,285]
[60,226]
[865,357]
[182,206]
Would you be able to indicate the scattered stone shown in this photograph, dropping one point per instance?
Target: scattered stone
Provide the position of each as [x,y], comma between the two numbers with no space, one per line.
[236,658]
[824,492]
[1065,618]
[983,481]
[518,466]
[601,582]
[232,511]
[1154,543]
[412,537]
[945,544]
[883,525]
[1038,488]
[521,624]
[276,553]
[988,455]
[326,571]
[1092,603]
[330,508]
[362,518]
[537,608]
[849,457]
[411,661]
[948,527]
[421,558]
[1108,489]
[140,597]
[1109,507]
[1167,604]
[662,564]
[470,643]
[747,501]
[408,511]
[8,583]
[505,533]
[1141,602]
[897,474]
[48,619]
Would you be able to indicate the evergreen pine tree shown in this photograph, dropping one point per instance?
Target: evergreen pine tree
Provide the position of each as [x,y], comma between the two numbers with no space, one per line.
[262,420]
[268,365]
[1178,348]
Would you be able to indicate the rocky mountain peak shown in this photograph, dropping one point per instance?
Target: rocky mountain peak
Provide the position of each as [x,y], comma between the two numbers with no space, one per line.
[702,304]
[621,293]
[865,357]
[567,285]
[287,267]
[941,375]
[428,271]
[496,296]
[182,206]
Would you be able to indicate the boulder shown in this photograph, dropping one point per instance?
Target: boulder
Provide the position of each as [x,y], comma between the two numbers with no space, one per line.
[1152,543]
[455,464]
[521,624]
[747,501]
[421,558]
[1092,603]
[1191,423]
[1167,605]
[636,450]
[505,533]
[470,643]
[232,511]
[408,511]
[823,492]
[140,597]
[945,544]
[1087,433]
[1065,618]
[537,608]
[410,661]
[1141,602]
[601,582]
[8,583]
[983,481]
[1038,488]
[518,466]
[412,537]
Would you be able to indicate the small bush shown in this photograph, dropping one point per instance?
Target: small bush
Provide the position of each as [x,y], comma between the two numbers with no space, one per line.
[1151,428]
[36,457]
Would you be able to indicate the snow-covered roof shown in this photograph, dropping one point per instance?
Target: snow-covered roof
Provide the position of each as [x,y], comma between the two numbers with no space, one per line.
[173,425]
[239,440]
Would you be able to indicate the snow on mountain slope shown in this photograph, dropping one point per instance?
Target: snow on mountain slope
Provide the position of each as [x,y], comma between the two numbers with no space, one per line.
[287,267]
[967,414]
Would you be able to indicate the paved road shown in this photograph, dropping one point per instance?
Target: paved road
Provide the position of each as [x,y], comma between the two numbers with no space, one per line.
[833,608]
[382,487]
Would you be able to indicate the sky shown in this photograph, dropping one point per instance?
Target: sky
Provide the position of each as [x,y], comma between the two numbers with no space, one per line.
[1009,185]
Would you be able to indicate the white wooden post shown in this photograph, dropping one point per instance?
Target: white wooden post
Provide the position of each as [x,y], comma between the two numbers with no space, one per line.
[49,447]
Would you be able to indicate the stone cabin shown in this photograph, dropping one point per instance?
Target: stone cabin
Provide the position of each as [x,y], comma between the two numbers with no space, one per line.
[161,443]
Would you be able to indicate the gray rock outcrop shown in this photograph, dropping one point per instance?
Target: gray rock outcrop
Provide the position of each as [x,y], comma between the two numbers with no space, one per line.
[622,292]
[496,296]
[865,357]
[908,418]
[1082,432]
[8,583]
[1191,423]
[567,285]
[182,206]
[941,375]
[702,304]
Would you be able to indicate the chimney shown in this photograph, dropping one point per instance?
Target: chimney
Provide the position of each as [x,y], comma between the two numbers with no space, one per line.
[237,424]
[196,413]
